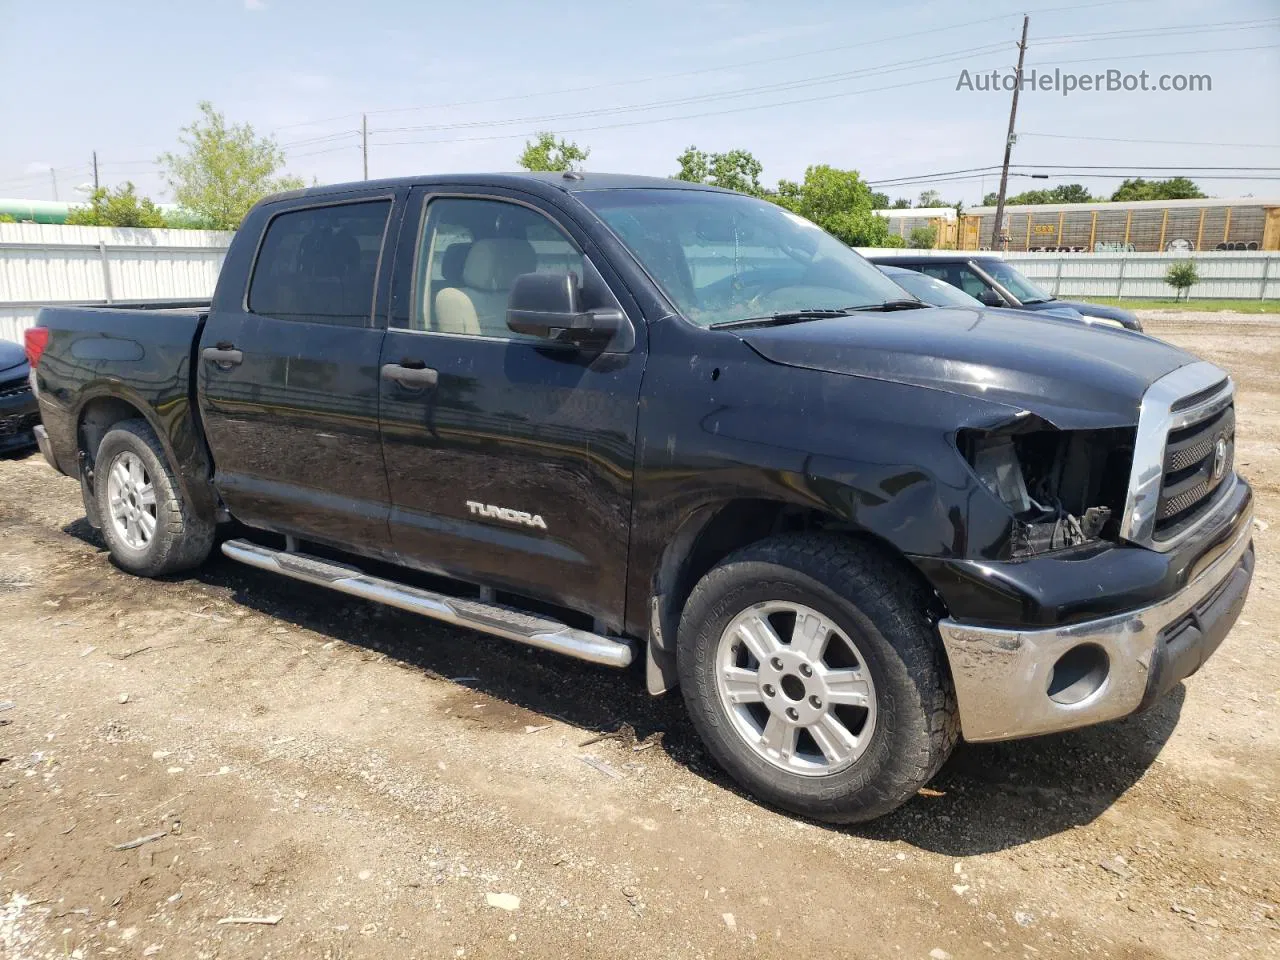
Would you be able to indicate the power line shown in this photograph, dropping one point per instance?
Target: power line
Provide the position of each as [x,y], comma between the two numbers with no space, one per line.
[1127,176]
[738,65]
[941,173]
[800,83]
[689,116]
[1166,53]
[316,153]
[761,106]
[1176,143]
[1185,168]
[320,139]
[1071,170]
[1146,32]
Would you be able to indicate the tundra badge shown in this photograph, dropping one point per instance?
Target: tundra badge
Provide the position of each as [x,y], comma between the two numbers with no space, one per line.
[506,514]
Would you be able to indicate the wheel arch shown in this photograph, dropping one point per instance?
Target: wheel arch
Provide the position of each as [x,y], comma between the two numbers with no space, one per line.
[716,530]
[101,409]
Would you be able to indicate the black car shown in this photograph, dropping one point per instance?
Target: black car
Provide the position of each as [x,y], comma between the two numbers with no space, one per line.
[634,419]
[19,412]
[996,283]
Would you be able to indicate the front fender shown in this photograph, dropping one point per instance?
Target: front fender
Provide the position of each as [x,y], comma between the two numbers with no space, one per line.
[871,456]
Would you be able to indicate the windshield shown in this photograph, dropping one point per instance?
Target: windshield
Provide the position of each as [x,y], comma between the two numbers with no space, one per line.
[934,291]
[722,257]
[1014,282]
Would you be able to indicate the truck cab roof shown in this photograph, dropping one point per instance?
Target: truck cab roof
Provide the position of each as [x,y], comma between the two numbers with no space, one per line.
[567,182]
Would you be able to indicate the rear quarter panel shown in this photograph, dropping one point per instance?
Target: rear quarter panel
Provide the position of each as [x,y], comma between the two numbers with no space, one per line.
[140,357]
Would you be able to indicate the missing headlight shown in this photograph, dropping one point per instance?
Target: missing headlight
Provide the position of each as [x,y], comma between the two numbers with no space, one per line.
[995,461]
[1064,487]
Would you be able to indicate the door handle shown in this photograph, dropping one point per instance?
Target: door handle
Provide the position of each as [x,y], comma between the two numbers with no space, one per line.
[223,355]
[414,377]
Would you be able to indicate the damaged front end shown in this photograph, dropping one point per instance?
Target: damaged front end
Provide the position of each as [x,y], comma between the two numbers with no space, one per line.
[1064,488]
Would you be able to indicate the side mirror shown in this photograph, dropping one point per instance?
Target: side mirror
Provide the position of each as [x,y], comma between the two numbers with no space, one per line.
[990,298]
[549,305]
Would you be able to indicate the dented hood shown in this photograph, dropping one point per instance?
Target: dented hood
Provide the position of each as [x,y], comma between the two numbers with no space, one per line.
[1073,375]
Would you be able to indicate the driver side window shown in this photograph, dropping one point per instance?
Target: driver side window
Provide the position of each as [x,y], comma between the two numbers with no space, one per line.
[470,253]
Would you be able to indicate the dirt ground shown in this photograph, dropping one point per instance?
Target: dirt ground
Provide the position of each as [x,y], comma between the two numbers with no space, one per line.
[386,787]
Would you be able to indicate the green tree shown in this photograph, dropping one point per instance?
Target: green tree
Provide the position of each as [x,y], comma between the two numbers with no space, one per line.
[695,166]
[1064,193]
[7,218]
[922,238]
[121,207]
[839,201]
[733,170]
[1182,276]
[1071,193]
[880,201]
[1176,188]
[223,170]
[902,203]
[932,198]
[546,153]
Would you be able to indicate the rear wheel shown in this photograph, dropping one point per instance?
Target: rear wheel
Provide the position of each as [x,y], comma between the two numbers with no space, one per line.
[812,672]
[148,526]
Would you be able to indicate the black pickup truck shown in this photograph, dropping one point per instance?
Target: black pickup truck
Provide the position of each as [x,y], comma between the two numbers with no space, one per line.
[630,418]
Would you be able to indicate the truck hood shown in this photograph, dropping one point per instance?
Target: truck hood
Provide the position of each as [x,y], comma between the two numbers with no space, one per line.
[1072,375]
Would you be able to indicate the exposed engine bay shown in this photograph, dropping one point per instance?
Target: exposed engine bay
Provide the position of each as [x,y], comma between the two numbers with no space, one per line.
[1064,487]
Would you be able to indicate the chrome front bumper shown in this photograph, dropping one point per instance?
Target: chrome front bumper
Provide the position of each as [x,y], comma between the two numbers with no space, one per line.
[1002,677]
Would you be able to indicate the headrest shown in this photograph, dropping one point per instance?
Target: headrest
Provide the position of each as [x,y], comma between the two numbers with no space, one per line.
[494,263]
[453,262]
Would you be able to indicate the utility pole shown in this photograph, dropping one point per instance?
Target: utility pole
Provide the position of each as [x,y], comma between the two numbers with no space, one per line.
[364,142]
[54,177]
[997,230]
[95,171]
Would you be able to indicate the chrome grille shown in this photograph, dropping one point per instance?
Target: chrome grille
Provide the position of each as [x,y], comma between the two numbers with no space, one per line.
[1173,484]
[1198,458]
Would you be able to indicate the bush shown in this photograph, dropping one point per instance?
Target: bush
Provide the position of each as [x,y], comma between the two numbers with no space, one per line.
[922,238]
[121,207]
[1182,276]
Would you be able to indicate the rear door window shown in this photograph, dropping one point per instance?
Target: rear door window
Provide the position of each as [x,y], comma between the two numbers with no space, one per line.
[320,264]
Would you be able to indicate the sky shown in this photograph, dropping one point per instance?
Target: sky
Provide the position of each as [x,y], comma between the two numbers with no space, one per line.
[458,87]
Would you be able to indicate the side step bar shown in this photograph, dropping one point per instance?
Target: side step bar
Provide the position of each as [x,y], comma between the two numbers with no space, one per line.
[515,625]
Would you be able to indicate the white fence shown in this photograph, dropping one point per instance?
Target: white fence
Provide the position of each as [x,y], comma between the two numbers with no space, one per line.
[47,263]
[1237,275]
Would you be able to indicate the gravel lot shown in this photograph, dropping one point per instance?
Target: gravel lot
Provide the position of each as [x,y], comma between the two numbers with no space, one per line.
[389,788]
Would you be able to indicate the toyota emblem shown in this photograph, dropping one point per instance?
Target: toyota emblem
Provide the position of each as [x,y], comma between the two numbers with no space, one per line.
[1219,459]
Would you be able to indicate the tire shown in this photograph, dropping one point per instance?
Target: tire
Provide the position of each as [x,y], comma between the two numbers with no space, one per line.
[889,736]
[177,539]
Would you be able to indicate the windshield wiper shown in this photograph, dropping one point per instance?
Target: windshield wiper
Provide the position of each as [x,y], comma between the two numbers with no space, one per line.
[785,316]
[1039,300]
[888,306]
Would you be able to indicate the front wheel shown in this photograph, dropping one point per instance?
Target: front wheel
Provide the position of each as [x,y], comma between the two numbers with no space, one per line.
[149,527]
[813,673]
